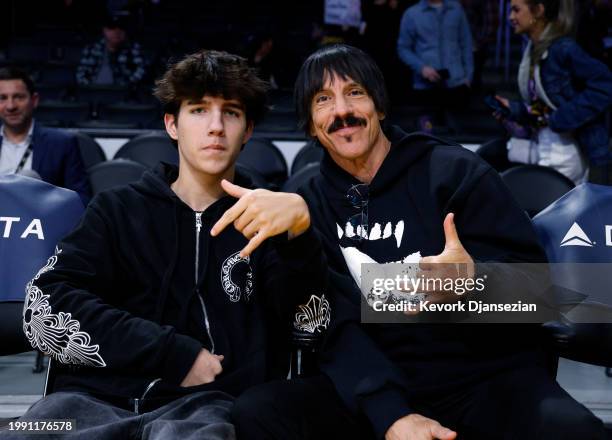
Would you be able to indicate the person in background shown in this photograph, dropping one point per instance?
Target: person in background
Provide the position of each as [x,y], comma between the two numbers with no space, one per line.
[560,121]
[114,59]
[382,21]
[435,42]
[483,16]
[26,145]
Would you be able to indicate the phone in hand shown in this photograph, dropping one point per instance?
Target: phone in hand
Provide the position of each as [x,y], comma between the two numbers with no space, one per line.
[497,106]
[444,74]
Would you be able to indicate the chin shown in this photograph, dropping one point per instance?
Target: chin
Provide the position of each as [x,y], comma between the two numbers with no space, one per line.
[351,150]
[213,168]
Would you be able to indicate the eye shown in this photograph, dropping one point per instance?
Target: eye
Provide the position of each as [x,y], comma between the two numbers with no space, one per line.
[356,92]
[321,99]
[197,110]
[233,113]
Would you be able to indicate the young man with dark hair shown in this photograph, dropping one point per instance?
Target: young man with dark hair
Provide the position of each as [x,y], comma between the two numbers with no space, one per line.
[387,196]
[26,145]
[153,319]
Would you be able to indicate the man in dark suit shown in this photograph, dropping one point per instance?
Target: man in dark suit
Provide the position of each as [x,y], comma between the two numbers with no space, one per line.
[25,145]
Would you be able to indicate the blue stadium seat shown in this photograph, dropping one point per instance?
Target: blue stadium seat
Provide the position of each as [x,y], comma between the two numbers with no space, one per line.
[264,157]
[149,149]
[113,173]
[535,187]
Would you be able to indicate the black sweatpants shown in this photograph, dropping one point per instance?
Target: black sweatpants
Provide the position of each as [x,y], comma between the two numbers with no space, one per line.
[201,415]
[524,403]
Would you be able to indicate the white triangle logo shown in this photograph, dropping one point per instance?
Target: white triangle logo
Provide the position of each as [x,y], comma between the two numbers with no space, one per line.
[576,237]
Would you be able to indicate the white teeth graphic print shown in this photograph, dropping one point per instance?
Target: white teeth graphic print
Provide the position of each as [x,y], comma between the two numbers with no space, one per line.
[375,233]
[340,231]
[387,232]
[354,258]
[399,232]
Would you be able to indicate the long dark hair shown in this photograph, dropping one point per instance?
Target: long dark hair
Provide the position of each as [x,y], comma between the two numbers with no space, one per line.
[345,62]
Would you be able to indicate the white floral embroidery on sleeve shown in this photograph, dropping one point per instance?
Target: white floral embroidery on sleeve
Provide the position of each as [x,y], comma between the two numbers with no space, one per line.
[57,335]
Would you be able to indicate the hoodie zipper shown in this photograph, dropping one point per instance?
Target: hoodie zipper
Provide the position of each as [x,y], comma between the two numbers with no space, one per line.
[198,224]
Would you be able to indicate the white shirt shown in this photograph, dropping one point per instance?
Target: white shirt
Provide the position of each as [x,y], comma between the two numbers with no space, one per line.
[11,153]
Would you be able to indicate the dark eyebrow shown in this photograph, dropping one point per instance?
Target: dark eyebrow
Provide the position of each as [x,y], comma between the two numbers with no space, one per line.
[229,104]
[197,102]
[355,84]
[234,104]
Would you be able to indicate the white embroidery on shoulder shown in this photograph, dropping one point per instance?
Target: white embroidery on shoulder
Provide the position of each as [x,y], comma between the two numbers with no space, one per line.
[57,335]
[314,315]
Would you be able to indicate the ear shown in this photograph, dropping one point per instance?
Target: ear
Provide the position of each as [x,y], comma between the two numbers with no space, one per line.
[539,11]
[311,130]
[35,99]
[170,122]
[248,132]
[381,116]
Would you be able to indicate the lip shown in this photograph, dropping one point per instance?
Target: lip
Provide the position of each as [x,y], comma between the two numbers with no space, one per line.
[347,131]
[214,147]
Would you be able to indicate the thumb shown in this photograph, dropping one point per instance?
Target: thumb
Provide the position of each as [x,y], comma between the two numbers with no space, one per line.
[451,237]
[440,432]
[233,189]
[427,263]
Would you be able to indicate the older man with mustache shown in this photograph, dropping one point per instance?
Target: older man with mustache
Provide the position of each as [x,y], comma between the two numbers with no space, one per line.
[387,196]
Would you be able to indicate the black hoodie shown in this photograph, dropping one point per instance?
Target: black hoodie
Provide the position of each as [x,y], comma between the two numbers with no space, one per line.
[383,369]
[140,287]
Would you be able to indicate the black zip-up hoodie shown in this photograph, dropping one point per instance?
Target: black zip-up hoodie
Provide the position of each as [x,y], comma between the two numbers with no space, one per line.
[381,369]
[140,287]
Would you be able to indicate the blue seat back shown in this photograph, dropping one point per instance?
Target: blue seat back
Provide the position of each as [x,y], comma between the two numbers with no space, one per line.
[34,216]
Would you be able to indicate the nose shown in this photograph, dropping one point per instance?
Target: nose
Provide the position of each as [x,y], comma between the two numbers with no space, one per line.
[342,106]
[216,127]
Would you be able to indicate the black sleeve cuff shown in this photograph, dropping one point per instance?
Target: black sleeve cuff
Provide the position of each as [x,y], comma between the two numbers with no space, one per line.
[300,248]
[383,409]
[180,358]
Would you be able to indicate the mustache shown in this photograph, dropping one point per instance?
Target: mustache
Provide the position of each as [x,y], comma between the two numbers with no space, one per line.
[349,121]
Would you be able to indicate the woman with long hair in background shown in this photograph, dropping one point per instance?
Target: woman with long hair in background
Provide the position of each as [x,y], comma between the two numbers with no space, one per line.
[560,121]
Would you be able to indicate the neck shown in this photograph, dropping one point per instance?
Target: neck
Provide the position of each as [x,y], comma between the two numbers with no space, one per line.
[198,190]
[536,32]
[17,134]
[434,2]
[365,168]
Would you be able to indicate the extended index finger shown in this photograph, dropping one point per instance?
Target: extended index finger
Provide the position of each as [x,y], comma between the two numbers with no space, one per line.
[253,244]
[234,190]
[229,216]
